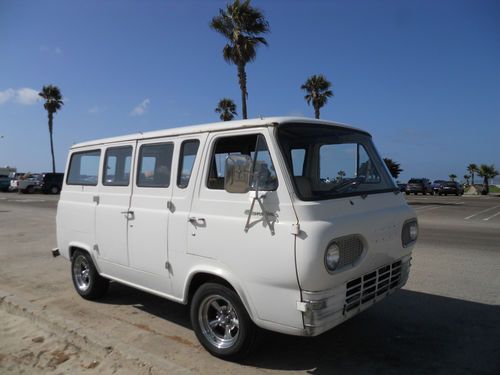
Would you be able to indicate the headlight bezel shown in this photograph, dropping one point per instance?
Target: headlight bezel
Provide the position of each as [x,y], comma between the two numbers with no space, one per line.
[407,237]
[334,247]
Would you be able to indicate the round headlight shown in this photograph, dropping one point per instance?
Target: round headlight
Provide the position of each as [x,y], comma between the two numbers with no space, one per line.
[332,257]
[413,231]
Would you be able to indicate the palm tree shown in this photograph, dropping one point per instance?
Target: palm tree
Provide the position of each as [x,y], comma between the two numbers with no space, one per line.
[472,168]
[394,168]
[53,103]
[227,109]
[318,92]
[466,178]
[452,177]
[341,175]
[487,172]
[241,25]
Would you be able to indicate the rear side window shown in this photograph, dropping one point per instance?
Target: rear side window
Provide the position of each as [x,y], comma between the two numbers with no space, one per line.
[84,168]
[117,166]
[155,164]
[298,158]
[186,162]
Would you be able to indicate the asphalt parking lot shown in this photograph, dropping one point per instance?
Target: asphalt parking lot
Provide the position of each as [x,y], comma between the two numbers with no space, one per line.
[445,320]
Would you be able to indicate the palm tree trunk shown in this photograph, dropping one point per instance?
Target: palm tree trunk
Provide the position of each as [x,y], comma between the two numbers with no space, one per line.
[472,178]
[316,112]
[51,116]
[242,77]
[486,187]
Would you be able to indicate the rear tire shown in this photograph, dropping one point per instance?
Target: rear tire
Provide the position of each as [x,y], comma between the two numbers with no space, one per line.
[54,190]
[86,280]
[221,322]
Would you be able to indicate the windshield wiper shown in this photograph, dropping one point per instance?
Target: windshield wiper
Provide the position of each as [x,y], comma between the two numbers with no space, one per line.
[351,184]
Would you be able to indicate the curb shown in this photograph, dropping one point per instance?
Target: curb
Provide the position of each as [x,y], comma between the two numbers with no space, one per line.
[102,346]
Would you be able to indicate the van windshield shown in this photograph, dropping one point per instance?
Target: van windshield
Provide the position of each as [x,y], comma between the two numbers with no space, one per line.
[330,162]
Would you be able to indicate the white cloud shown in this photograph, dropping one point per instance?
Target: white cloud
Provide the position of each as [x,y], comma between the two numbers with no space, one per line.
[24,96]
[27,96]
[141,108]
[46,49]
[6,95]
[95,110]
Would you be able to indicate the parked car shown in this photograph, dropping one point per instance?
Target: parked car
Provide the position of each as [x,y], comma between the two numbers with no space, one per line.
[255,238]
[419,185]
[451,187]
[29,183]
[51,183]
[4,182]
[436,185]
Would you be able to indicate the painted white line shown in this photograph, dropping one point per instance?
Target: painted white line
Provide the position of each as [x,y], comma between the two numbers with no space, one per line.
[28,200]
[492,216]
[422,208]
[430,208]
[480,212]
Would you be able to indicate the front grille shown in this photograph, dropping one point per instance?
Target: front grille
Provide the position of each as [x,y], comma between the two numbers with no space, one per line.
[351,249]
[369,286]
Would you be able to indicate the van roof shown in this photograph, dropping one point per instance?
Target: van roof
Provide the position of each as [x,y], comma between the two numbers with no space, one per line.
[211,127]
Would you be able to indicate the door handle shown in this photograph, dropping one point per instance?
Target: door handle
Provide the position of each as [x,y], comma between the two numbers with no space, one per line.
[128,214]
[198,221]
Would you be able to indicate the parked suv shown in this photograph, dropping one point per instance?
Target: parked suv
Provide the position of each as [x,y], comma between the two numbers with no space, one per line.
[419,185]
[52,183]
[436,185]
[451,187]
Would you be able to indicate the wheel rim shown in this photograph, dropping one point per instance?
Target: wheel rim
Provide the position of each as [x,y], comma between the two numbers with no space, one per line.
[54,190]
[81,271]
[219,322]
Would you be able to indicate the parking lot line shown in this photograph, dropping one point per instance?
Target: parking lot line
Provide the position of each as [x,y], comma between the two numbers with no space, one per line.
[480,212]
[492,216]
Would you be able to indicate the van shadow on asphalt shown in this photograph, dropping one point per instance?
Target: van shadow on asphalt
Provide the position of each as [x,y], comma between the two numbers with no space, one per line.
[409,332]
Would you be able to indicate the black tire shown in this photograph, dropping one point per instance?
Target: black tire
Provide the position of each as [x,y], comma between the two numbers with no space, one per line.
[221,322]
[54,190]
[86,280]
[407,193]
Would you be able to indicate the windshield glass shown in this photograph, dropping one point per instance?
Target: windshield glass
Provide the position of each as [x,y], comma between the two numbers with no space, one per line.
[329,162]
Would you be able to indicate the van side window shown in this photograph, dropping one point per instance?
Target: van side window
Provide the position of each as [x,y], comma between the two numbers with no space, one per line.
[155,163]
[242,145]
[84,168]
[117,166]
[298,158]
[186,162]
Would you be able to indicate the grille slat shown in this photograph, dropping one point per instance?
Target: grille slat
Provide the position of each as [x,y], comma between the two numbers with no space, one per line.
[365,288]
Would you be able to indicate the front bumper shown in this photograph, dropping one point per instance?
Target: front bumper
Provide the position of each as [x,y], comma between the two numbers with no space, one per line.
[326,309]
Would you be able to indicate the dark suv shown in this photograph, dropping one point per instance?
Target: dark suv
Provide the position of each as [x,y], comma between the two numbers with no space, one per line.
[52,183]
[419,185]
[450,187]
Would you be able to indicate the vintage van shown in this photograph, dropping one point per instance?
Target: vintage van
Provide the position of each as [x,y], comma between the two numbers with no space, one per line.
[288,224]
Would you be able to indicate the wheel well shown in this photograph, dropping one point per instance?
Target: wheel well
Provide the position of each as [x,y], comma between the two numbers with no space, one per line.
[201,278]
[72,250]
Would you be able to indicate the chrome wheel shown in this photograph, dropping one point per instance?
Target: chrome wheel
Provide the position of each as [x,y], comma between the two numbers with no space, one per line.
[219,321]
[81,272]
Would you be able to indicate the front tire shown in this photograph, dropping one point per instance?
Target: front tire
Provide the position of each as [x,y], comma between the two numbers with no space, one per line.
[221,322]
[86,280]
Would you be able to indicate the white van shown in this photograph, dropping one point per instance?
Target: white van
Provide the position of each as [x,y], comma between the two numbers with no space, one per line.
[289,224]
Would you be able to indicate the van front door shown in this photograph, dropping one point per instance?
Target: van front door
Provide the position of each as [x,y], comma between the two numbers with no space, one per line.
[149,216]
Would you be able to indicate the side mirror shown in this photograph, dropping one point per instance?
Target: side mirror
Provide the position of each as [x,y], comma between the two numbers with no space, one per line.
[237,173]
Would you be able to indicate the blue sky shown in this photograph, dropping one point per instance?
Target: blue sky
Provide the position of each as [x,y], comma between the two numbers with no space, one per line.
[422,76]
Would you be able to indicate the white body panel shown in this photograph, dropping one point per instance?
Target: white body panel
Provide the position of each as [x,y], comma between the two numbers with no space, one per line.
[169,235]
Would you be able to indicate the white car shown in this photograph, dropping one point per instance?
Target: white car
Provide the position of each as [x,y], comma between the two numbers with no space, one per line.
[239,220]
